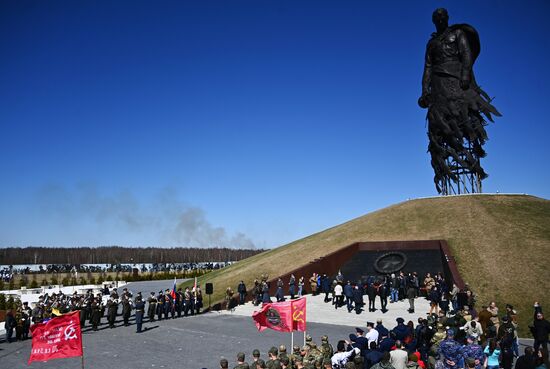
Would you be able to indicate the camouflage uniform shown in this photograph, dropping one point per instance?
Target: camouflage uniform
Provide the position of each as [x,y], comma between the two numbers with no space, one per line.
[294,356]
[307,358]
[474,351]
[326,348]
[272,363]
[452,352]
[315,353]
[259,363]
[240,359]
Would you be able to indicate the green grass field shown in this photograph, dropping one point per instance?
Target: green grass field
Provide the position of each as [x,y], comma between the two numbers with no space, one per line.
[501,244]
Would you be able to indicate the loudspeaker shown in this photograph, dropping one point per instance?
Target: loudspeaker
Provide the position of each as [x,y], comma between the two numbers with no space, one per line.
[209,288]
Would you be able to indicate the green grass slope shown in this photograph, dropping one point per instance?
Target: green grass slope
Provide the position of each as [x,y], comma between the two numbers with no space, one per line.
[501,244]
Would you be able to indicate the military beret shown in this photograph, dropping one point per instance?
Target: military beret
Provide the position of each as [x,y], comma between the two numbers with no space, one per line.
[240,356]
[273,350]
[284,360]
[256,353]
[260,363]
[224,363]
[326,361]
[296,348]
[324,338]
[400,320]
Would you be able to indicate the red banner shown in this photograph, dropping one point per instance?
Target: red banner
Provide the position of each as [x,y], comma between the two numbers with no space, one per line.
[299,314]
[283,316]
[58,338]
[277,316]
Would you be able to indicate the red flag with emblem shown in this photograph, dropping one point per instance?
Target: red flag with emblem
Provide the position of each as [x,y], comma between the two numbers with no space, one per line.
[60,337]
[299,314]
[276,316]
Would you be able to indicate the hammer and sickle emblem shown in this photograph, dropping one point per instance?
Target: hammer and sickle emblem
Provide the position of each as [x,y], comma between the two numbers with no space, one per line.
[297,316]
[70,332]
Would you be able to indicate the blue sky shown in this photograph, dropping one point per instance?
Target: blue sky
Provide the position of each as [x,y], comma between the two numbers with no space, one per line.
[242,123]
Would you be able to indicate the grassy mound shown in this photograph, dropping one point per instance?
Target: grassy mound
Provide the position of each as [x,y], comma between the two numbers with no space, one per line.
[501,244]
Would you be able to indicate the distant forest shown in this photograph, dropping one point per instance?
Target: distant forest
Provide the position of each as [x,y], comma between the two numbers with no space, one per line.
[119,255]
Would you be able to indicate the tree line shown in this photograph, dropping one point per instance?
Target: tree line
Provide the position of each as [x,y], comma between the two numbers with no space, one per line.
[120,255]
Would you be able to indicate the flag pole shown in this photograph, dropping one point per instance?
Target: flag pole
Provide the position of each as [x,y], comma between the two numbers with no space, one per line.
[304,338]
[292,340]
[82,348]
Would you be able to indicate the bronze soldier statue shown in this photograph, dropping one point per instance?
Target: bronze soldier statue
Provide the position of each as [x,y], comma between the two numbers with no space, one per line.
[457,106]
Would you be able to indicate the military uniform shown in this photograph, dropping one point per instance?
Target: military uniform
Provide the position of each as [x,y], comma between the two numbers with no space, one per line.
[151,309]
[179,302]
[241,363]
[140,311]
[187,300]
[294,356]
[26,317]
[160,305]
[96,315]
[19,326]
[112,308]
[126,310]
[452,352]
[242,366]
[327,350]
[198,300]
[37,313]
[474,351]
[272,362]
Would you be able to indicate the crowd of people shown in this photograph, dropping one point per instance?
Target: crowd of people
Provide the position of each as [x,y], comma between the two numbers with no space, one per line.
[384,289]
[109,304]
[7,272]
[456,333]
[440,341]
